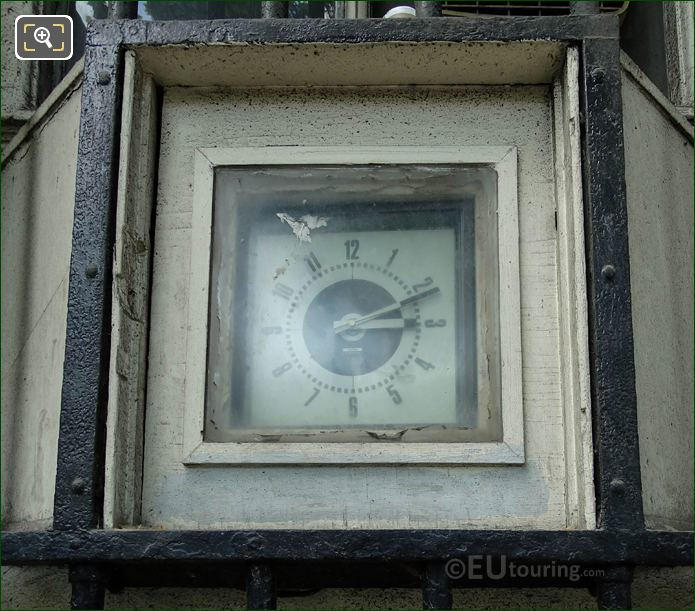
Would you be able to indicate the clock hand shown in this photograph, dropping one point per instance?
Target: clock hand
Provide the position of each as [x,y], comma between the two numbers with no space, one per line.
[386,323]
[339,327]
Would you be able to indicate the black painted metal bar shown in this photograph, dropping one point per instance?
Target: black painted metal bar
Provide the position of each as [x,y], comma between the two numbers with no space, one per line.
[78,496]
[654,548]
[570,28]
[88,587]
[614,588]
[260,587]
[436,587]
[273,9]
[616,443]
[80,467]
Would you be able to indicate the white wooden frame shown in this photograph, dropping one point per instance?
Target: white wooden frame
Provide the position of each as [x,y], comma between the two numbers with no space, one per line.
[510,450]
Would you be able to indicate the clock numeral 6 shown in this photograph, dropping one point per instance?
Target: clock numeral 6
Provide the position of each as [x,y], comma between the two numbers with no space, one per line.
[282,369]
[394,394]
[435,323]
[353,407]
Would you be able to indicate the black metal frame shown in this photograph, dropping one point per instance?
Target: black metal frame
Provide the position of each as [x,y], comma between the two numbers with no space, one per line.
[95,556]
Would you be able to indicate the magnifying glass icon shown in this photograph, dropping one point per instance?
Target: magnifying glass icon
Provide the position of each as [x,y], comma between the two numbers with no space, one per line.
[43,36]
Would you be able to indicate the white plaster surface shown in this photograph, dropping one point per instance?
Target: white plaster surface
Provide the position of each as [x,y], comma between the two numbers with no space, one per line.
[19,78]
[528,496]
[38,186]
[659,177]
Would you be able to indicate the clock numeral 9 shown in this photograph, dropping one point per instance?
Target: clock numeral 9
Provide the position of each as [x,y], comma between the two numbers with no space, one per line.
[282,369]
[351,248]
[423,285]
[271,330]
[394,394]
[435,323]
[352,403]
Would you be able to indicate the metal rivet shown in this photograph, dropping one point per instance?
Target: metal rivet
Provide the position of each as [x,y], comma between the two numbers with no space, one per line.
[608,272]
[617,486]
[91,270]
[103,77]
[598,74]
[77,486]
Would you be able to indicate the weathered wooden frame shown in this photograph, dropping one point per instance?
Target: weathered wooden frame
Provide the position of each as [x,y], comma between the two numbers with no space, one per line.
[510,450]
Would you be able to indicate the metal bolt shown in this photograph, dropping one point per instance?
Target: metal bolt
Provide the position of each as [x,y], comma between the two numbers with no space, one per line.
[608,272]
[78,486]
[91,270]
[598,74]
[617,487]
[103,77]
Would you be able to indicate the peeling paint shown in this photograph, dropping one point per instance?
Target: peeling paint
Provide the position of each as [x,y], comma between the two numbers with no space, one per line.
[302,227]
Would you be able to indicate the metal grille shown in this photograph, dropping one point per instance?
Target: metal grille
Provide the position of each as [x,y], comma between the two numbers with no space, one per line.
[511,8]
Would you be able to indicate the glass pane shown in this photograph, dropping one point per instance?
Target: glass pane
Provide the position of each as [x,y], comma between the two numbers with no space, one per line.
[354,303]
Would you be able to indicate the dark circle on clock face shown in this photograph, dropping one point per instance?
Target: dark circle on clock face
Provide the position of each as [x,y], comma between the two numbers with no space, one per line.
[355,351]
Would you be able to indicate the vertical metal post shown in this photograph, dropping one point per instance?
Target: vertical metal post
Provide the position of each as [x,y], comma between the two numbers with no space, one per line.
[585,8]
[78,499]
[618,486]
[426,8]
[260,587]
[88,587]
[436,590]
[272,9]
[123,10]
[614,589]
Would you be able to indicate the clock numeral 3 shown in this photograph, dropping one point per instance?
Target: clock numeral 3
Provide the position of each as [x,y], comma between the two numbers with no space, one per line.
[422,285]
[282,290]
[394,394]
[435,323]
[351,248]
[352,403]
[282,369]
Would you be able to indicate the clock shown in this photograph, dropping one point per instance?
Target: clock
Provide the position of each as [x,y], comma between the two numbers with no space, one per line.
[343,306]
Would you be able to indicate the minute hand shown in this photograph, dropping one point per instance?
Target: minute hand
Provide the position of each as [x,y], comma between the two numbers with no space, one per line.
[339,327]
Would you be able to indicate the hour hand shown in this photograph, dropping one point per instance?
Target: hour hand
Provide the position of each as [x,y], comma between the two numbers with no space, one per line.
[340,326]
[385,323]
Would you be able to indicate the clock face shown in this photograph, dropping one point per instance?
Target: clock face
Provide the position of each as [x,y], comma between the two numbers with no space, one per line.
[352,328]
[334,316]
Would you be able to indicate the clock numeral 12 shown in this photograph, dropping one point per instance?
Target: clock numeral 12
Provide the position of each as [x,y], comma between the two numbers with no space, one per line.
[351,248]
[394,394]
[352,403]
